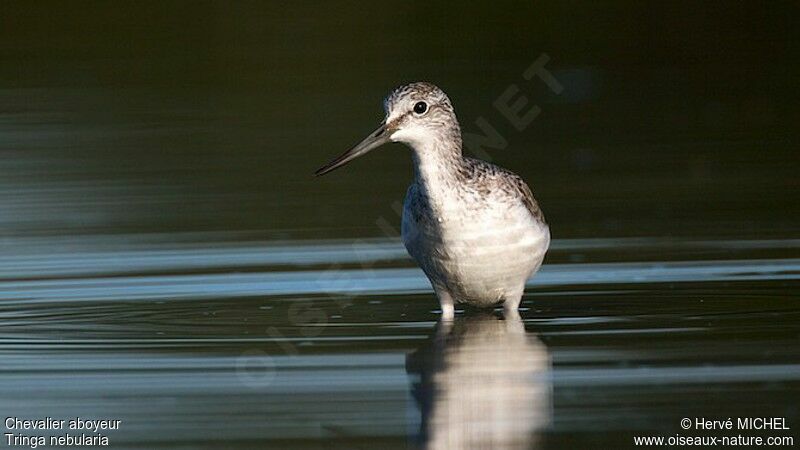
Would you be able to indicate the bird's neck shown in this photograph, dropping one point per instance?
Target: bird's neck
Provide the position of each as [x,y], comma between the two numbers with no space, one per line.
[437,166]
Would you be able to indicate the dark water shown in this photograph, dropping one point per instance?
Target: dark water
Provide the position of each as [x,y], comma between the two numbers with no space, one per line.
[288,345]
[167,260]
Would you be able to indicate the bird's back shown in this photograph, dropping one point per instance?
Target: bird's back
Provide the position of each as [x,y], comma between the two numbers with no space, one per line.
[505,184]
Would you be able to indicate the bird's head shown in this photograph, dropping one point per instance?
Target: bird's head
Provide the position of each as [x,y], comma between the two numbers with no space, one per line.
[417,114]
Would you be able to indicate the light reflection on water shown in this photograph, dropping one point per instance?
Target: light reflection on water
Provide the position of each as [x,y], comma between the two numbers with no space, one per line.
[288,344]
[205,271]
[482,383]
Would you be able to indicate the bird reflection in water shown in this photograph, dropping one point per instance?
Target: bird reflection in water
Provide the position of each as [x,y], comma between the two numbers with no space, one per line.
[481,382]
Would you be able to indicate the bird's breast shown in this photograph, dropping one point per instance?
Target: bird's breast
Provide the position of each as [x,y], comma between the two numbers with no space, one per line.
[480,248]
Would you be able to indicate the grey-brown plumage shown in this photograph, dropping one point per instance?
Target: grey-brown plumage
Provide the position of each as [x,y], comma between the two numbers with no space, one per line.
[487,176]
[474,228]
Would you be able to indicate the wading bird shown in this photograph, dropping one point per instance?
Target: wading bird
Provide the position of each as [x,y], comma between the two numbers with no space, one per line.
[474,228]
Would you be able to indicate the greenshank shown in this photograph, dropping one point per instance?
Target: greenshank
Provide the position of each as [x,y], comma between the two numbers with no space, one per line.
[474,228]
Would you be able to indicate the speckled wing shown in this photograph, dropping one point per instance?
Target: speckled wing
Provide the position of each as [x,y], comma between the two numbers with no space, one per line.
[527,198]
[478,171]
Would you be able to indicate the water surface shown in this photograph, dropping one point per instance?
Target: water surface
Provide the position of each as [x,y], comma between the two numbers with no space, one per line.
[167,259]
[253,345]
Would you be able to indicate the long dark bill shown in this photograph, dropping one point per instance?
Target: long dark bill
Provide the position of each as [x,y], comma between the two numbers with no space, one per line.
[374,140]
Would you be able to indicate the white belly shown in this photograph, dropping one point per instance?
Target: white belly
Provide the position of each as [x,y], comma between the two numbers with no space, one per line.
[480,255]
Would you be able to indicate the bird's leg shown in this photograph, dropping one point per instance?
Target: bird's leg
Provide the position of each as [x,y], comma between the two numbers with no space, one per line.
[446,302]
[512,301]
[514,324]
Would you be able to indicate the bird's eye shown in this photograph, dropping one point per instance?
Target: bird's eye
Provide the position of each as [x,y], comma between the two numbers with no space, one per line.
[420,107]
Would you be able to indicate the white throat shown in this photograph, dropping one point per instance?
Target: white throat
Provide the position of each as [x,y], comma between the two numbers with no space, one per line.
[436,162]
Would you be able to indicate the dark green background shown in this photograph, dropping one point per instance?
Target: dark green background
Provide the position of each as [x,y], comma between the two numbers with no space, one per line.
[677,118]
